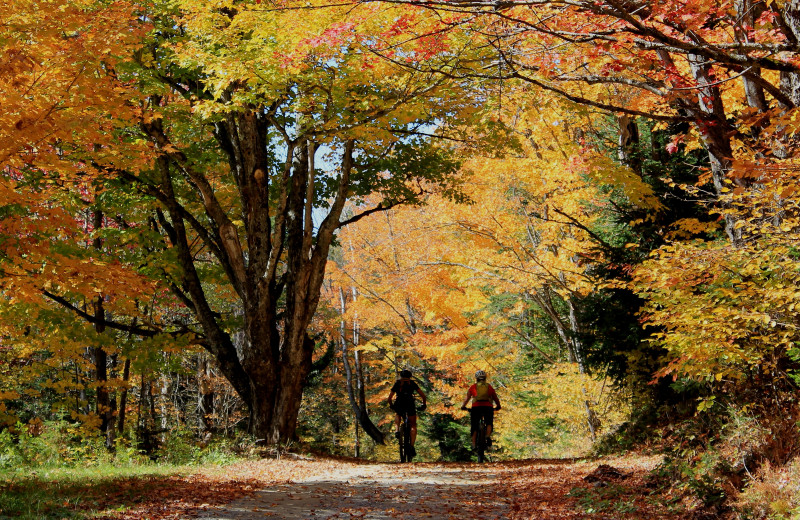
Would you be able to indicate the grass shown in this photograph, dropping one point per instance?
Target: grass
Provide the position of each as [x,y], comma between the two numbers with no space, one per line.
[77,493]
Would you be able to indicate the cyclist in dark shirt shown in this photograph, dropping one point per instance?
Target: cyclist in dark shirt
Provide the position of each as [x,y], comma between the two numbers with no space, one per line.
[404,388]
[482,395]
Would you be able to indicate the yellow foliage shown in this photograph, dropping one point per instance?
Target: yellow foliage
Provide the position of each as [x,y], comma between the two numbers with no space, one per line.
[723,310]
[568,393]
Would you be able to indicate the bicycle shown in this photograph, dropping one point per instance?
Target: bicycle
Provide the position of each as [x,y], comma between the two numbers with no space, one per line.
[480,439]
[405,446]
[404,439]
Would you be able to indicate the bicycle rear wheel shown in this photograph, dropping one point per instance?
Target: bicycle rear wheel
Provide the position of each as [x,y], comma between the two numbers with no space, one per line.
[401,445]
[408,449]
[480,440]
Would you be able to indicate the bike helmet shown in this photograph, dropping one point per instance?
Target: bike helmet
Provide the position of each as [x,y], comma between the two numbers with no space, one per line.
[480,375]
[405,373]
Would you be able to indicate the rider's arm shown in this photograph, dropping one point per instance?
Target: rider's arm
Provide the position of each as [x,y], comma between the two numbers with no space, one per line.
[464,404]
[496,399]
[422,395]
[391,394]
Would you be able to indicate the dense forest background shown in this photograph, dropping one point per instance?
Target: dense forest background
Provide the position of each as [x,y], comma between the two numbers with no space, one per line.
[222,223]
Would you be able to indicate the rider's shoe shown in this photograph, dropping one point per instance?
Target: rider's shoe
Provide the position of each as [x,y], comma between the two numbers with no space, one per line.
[397,435]
[412,452]
[488,442]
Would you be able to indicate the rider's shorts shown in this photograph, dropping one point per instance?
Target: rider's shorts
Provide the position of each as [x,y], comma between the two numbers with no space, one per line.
[408,408]
[476,412]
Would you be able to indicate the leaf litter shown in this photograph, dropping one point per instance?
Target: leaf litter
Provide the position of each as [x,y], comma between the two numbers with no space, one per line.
[322,488]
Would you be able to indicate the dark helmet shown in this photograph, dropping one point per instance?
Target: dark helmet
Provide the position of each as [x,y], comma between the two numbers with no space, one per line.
[480,375]
[405,373]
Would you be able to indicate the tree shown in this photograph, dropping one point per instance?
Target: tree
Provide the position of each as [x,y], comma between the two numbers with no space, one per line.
[242,135]
[727,68]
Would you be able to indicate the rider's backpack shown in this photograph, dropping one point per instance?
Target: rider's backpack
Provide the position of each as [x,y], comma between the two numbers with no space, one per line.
[482,391]
[406,392]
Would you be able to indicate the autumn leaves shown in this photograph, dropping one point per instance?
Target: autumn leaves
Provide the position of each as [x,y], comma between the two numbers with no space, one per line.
[231,153]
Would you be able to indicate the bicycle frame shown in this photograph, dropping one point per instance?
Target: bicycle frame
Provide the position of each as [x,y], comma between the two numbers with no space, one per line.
[480,439]
[404,442]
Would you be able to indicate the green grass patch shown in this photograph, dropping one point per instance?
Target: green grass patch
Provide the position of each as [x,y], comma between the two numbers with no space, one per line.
[45,493]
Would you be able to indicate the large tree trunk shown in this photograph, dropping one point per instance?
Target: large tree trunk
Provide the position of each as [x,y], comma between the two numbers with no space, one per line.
[276,267]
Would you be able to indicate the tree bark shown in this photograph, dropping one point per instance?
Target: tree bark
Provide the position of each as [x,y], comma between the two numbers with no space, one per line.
[111,431]
[628,142]
[205,395]
[278,281]
[356,395]
[103,406]
[123,396]
[790,24]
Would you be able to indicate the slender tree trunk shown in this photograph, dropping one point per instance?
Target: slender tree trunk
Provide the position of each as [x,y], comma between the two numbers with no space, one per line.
[163,405]
[628,142]
[715,133]
[103,406]
[123,397]
[355,395]
[592,421]
[205,395]
[111,430]
[577,345]
[747,12]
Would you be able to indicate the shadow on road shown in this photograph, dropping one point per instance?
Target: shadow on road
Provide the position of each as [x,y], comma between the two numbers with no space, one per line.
[393,491]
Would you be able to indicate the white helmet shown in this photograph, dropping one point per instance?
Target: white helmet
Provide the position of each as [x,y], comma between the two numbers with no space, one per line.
[480,374]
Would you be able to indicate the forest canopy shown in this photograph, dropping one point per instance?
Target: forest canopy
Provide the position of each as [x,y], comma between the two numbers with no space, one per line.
[248,216]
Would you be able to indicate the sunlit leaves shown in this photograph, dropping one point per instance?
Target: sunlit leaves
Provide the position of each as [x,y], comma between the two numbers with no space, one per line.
[722,311]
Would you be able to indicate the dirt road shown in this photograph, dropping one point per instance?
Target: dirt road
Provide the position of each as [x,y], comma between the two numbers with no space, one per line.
[523,490]
[378,492]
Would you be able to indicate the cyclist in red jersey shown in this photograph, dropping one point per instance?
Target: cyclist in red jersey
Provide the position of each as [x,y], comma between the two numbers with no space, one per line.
[483,399]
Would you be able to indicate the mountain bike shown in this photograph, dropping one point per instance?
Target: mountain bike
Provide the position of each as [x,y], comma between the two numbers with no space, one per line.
[480,439]
[405,446]
[404,439]
[481,445]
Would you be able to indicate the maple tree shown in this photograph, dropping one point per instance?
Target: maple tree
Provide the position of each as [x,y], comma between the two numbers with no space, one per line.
[59,85]
[727,68]
[234,138]
[186,174]
[725,312]
[728,71]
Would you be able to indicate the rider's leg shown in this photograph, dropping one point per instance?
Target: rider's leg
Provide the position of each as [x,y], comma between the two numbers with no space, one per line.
[412,427]
[473,418]
[397,423]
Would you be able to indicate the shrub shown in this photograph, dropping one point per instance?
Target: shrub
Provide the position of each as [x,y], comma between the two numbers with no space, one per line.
[179,447]
[774,494]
